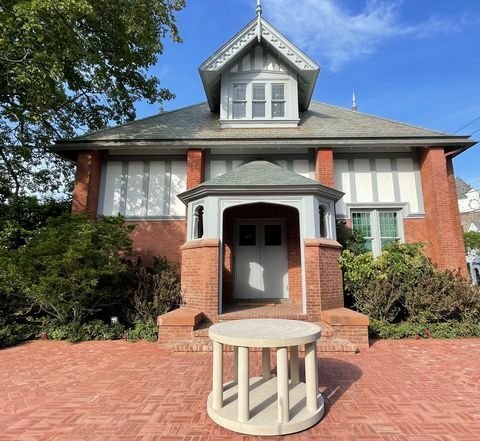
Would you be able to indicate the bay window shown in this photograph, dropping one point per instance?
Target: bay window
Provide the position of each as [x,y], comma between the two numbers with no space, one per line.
[378,228]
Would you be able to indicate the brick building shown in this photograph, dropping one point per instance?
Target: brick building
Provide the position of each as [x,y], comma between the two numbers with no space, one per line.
[244,191]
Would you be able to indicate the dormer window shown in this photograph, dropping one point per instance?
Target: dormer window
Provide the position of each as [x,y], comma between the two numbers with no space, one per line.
[258,100]
[278,100]
[239,101]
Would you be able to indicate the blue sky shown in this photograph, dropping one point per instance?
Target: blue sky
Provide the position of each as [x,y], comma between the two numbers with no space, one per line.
[412,61]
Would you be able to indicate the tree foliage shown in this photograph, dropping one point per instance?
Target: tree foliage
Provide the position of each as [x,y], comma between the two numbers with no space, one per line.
[67,66]
[472,241]
[68,268]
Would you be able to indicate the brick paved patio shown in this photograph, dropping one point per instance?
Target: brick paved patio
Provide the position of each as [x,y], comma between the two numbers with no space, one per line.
[396,390]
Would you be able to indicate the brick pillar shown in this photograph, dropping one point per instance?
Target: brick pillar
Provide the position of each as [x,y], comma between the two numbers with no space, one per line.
[200,276]
[442,218]
[87,182]
[323,276]
[195,167]
[324,167]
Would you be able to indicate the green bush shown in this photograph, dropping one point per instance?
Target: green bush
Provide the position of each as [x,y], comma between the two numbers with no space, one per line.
[14,333]
[155,290]
[66,269]
[403,284]
[76,332]
[351,240]
[143,330]
[449,329]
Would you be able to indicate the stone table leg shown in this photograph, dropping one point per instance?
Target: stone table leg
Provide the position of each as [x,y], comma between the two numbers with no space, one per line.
[217,387]
[266,363]
[235,364]
[243,380]
[311,375]
[294,371]
[282,386]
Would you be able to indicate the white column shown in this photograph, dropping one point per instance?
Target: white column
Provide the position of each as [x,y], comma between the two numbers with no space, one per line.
[217,387]
[243,379]
[282,385]
[294,371]
[266,364]
[235,364]
[311,384]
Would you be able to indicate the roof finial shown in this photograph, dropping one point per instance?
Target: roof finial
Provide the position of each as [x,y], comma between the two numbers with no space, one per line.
[354,101]
[259,20]
[259,7]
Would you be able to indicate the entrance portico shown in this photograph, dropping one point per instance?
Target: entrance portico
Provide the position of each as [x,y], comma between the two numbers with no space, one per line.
[248,233]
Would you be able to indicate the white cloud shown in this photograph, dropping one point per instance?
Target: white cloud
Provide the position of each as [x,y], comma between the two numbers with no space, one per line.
[328,28]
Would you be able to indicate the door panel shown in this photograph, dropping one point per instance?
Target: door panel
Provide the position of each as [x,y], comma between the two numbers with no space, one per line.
[261,264]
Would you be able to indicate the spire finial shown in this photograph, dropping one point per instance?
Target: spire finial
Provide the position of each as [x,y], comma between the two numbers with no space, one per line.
[354,101]
[259,20]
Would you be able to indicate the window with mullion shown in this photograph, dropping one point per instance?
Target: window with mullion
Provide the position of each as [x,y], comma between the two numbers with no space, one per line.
[378,228]
[362,222]
[258,100]
[239,101]
[388,227]
[278,100]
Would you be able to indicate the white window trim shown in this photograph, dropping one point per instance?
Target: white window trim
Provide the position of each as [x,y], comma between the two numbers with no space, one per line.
[375,225]
[249,100]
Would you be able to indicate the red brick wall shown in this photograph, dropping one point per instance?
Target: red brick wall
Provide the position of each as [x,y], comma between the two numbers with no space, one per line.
[323,276]
[200,276]
[414,230]
[159,238]
[263,211]
[442,221]
[195,167]
[324,167]
[87,182]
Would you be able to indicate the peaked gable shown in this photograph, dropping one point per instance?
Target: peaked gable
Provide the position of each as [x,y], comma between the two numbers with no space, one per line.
[270,38]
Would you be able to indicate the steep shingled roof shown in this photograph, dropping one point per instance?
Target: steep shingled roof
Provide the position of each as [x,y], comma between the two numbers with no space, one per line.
[198,122]
[462,187]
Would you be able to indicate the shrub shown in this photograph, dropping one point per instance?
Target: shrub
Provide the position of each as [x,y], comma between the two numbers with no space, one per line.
[155,291]
[13,333]
[351,240]
[67,267]
[449,329]
[76,332]
[403,284]
[143,330]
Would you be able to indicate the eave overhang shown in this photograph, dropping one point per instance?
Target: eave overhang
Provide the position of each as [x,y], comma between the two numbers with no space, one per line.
[212,68]
[202,191]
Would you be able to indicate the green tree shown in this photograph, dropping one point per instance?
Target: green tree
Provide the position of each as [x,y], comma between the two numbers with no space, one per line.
[67,66]
[472,241]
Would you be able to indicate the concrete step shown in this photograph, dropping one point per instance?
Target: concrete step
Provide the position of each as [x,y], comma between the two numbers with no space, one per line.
[324,345]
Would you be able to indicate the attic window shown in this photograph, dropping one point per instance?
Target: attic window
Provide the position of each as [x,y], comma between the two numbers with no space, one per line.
[239,101]
[258,101]
[278,100]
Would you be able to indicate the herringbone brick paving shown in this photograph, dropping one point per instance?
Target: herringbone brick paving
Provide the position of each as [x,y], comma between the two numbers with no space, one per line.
[422,390]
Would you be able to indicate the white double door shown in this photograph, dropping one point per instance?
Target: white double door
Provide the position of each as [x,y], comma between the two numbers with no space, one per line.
[260,256]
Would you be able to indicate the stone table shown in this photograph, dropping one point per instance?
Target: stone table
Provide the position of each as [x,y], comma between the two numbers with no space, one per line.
[266,405]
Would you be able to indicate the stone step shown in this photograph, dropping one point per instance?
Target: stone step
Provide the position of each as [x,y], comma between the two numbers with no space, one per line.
[324,345]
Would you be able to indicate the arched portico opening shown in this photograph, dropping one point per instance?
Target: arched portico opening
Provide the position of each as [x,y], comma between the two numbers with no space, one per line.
[261,255]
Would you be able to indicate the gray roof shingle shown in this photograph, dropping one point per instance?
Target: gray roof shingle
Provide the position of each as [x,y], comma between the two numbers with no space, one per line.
[198,122]
[259,173]
[462,187]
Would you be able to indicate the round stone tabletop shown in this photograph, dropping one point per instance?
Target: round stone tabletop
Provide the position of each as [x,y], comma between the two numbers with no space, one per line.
[264,333]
